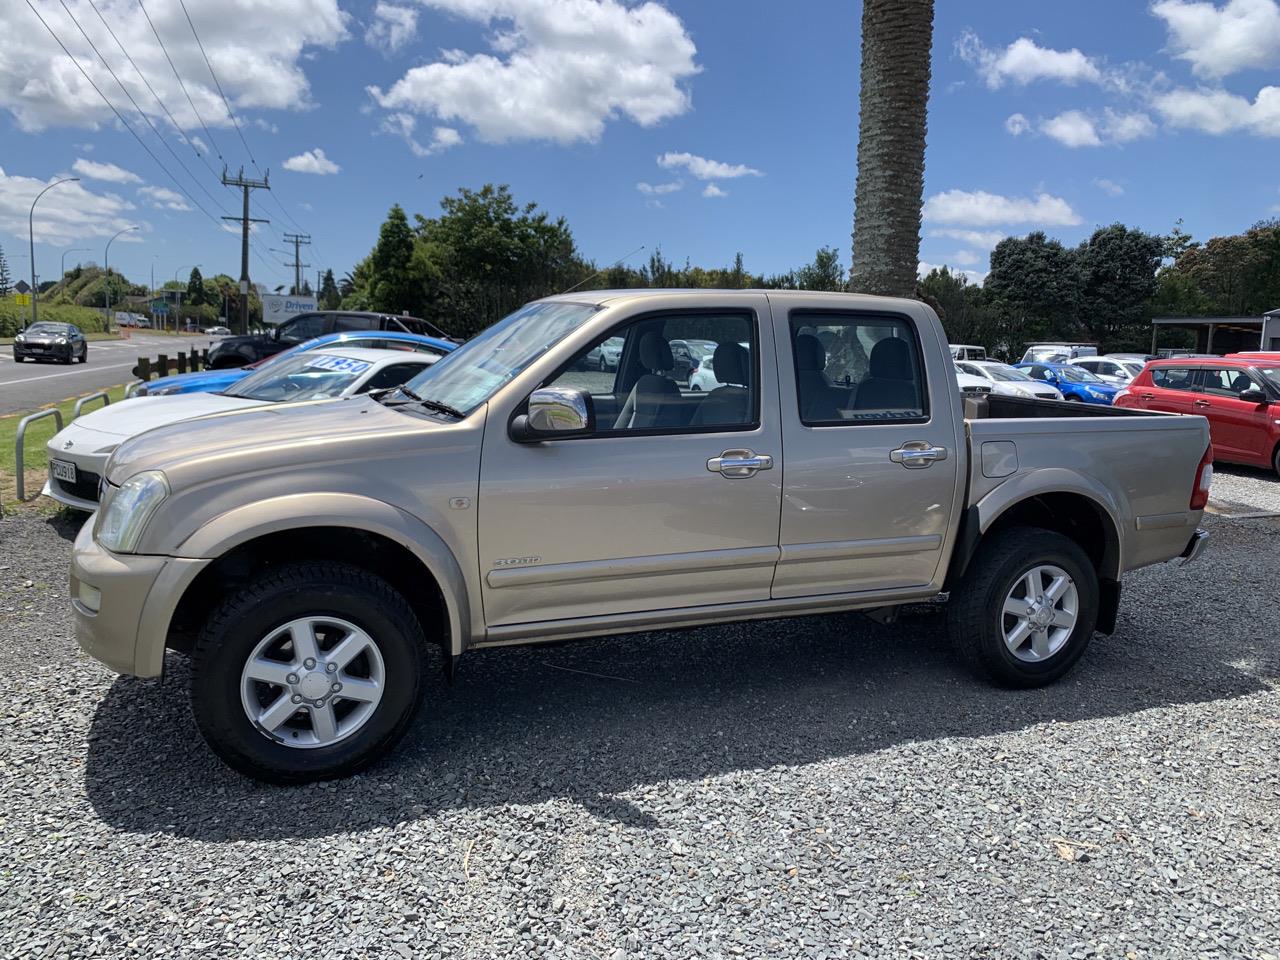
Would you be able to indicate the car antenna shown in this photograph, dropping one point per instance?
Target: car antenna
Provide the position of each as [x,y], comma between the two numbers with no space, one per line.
[604,270]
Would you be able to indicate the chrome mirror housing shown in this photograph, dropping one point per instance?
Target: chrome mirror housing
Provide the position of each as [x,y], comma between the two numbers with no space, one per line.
[554,413]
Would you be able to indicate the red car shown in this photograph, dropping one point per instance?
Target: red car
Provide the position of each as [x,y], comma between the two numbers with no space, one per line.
[1239,395]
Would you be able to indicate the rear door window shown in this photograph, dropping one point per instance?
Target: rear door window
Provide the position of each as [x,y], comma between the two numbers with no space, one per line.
[348,321]
[857,369]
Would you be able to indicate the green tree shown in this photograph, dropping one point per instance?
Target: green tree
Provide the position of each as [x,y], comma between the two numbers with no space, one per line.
[329,296]
[1034,282]
[1117,269]
[824,273]
[897,37]
[5,280]
[196,295]
[963,309]
[392,289]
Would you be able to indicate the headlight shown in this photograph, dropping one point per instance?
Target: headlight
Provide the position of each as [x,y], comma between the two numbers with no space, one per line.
[19,339]
[61,340]
[121,524]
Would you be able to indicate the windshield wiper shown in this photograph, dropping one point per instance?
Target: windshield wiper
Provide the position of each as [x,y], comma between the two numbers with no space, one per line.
[439,407]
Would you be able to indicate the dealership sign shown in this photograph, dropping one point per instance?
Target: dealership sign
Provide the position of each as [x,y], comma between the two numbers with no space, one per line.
[276,308]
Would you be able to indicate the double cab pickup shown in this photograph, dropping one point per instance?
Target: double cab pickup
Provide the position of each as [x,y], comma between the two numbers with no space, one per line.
[305,557]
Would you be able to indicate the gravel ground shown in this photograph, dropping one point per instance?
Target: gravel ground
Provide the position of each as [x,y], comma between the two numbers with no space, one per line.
[1240,490]
[820,787]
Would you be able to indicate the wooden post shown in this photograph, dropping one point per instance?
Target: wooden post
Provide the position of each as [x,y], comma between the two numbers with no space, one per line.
[204,358]
[143,370]
[195,359]
[162,364]
[182,362]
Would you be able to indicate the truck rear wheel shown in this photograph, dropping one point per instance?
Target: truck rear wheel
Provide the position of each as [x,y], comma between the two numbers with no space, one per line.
[1025,610]
[310,674]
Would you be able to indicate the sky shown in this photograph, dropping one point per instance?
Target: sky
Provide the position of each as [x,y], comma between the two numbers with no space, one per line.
[703,128]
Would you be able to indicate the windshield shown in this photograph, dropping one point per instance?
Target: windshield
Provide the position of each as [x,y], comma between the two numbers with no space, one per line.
[1272,374]
[44,329]
[474,372]
[996,372]
[312,375]
[1131,367]
[1077,375]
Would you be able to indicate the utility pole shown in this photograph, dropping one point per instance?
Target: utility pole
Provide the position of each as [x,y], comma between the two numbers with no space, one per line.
[298,240]
[246,185]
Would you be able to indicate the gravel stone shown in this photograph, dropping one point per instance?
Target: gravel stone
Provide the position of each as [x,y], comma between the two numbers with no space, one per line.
[805,788]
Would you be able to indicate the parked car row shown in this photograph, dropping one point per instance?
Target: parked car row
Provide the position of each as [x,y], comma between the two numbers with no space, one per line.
[240,351]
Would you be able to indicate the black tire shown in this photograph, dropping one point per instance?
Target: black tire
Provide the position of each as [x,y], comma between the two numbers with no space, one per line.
[250,614]
[975,616]
[19,358]
[1072,398]
[84,357]
[1275,460]
[695,388]
[601,365]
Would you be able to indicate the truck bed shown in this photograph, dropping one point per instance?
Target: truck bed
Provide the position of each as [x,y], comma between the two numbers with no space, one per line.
[997,407]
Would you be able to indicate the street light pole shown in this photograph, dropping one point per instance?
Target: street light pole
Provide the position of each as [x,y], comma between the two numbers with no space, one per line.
[106,281]
[63,276]
[31,237]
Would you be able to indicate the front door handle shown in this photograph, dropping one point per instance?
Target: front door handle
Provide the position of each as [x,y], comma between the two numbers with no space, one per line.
[915,454]
[1147,396]
[734,464]
[1201,403]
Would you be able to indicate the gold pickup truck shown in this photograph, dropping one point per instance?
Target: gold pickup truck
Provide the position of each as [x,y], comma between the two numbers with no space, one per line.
[819,457]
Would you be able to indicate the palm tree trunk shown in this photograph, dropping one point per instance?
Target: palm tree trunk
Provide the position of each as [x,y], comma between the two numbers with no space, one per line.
[897,37]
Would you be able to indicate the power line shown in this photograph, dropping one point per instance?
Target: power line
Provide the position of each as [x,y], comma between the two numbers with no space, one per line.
[136,106]
[186,137]
[119,115]
[204,126]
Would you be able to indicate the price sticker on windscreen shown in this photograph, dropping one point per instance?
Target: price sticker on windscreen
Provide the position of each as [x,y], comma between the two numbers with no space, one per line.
[342,364]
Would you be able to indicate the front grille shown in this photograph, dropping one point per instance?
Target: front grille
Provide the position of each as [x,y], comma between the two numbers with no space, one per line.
[85,487]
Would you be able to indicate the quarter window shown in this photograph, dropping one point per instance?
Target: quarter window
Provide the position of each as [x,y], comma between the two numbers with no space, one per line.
[857,369]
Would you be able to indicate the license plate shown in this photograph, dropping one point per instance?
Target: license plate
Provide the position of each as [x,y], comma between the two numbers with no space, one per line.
[63,470]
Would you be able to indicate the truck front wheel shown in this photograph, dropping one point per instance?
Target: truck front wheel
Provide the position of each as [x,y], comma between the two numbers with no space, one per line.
[1025,609]
[311,673]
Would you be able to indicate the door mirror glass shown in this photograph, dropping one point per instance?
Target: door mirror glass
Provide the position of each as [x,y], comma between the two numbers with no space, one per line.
[554,412]
[1253,395]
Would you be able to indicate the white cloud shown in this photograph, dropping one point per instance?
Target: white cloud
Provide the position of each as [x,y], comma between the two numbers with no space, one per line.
[1017,124]
[104,171]
[1218,41]
[659,188]
[711,190]
[393,27]
[977,208]
[1024,61]
[1074,128]
[1218,112]
[704,169]
[966,258]
[1071,129]
[312,161]
[64,215]
[405,125]
[559,70]
[1109,187]
[1125,127]
[42,88]
[162,198]
[923,269]
[986,239]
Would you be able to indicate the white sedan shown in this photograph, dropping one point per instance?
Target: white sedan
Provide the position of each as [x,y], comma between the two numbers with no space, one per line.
[1009,381]
[78,453]
[702,379]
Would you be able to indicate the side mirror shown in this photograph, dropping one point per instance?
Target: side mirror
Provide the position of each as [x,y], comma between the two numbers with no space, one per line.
[1254,395]
[555,413]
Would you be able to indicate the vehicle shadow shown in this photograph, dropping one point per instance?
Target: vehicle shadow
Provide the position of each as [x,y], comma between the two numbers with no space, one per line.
[595,720]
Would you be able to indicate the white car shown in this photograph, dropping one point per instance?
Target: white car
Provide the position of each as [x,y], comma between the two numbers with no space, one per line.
[1009,381]
[971,386]
[1117,370]
[78,453]
[703,379]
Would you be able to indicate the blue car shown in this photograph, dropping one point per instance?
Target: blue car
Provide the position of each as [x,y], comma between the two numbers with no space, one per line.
[215,381]
[1076,383]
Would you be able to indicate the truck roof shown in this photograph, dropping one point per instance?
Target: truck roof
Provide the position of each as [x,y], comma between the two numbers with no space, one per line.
[602,297]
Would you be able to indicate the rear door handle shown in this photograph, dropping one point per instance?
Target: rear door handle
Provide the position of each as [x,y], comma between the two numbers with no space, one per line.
[1147,396]
[915,454]
[735,464]
[1201,403]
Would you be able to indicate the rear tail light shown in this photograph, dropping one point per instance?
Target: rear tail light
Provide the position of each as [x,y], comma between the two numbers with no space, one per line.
[1120,394]
[1204,477]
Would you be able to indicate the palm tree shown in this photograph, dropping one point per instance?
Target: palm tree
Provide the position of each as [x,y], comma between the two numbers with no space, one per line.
[897,37]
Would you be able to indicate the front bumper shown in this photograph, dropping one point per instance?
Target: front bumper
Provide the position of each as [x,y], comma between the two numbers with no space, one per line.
[1195,546]
[136,597]
[83,494]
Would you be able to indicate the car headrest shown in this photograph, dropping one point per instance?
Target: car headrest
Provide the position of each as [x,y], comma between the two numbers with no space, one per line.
[655,352]
[810,353]
[890,360]
[731,362]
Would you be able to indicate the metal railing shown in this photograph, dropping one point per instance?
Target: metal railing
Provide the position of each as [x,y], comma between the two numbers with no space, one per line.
[19,465]
[101,394]
[133,388]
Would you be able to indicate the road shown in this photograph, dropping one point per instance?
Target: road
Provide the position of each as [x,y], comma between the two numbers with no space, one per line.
[26,386]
